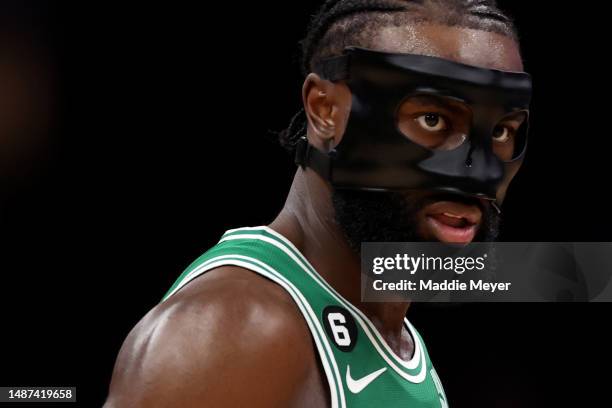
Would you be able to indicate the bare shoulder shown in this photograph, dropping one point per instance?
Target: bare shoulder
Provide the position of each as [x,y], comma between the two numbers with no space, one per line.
[229,338]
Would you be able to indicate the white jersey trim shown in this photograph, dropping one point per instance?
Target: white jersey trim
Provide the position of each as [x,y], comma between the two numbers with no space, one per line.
[367,326]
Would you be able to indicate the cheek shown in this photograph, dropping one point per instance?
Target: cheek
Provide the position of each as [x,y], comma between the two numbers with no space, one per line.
[341,122]
[343,110]
[345,115]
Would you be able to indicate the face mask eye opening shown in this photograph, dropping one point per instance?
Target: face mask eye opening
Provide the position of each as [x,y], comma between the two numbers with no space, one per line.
[509,136]
[437,123]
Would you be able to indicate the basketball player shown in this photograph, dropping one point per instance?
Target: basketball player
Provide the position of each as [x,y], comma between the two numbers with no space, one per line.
[413,126]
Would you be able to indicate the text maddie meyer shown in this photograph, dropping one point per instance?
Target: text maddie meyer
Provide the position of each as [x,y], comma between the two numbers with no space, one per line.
[447,285]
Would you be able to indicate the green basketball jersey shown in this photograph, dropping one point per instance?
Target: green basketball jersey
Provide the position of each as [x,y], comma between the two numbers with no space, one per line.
[360,367]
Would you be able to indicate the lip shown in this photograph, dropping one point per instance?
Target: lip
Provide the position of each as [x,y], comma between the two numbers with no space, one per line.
[450,234]
[438,218]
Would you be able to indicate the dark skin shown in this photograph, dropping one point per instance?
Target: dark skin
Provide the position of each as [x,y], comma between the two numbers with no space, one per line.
[233,338]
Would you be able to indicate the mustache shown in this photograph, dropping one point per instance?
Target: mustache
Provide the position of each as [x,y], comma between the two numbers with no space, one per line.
[385,216]
[491,219]
[424,199]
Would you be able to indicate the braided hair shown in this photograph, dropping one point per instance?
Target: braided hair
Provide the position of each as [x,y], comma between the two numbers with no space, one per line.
[340,23]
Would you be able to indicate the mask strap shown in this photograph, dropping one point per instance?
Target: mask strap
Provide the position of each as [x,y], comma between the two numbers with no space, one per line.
[306,155]
[333,68]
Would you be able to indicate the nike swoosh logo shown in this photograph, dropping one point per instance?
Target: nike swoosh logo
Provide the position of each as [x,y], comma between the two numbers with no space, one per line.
[356,386]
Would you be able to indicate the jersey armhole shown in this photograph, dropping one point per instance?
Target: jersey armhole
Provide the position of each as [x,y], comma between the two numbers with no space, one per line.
[324,351]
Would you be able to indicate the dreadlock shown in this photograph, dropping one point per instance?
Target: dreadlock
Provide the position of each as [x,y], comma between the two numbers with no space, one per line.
[340,23]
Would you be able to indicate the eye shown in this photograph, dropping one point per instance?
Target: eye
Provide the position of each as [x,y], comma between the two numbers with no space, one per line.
[431,122]
[501,134]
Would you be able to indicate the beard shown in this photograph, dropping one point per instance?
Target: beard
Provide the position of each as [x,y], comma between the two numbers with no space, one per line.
[368,216]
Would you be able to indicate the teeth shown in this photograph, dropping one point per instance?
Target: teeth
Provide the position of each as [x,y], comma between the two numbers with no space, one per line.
[451,215]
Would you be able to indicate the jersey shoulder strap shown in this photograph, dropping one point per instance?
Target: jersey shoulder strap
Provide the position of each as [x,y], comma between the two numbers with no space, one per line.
[260,250]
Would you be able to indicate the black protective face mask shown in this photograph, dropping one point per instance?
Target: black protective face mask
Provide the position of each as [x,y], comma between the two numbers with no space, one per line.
[427,123]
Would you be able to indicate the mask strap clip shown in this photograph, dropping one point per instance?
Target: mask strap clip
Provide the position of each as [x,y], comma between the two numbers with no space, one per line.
[306,155]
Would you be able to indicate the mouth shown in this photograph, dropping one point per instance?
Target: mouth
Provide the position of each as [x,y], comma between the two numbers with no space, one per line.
[452,222]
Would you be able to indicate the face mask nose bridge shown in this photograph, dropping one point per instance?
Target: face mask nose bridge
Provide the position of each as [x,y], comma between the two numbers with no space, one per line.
[480,135]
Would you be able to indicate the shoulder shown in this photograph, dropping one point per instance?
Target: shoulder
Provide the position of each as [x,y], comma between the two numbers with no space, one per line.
[230,337]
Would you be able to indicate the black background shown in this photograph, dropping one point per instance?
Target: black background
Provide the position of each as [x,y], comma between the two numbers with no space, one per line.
[160,143]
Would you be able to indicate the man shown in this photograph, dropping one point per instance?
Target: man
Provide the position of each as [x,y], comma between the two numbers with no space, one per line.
[433,132]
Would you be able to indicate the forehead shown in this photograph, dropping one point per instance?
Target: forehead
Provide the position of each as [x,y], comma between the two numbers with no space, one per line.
[465,45]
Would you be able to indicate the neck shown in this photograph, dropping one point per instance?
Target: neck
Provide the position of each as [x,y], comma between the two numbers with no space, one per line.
[307,220]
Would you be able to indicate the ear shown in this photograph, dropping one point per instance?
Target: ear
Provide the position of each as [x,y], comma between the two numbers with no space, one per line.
[327,106]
